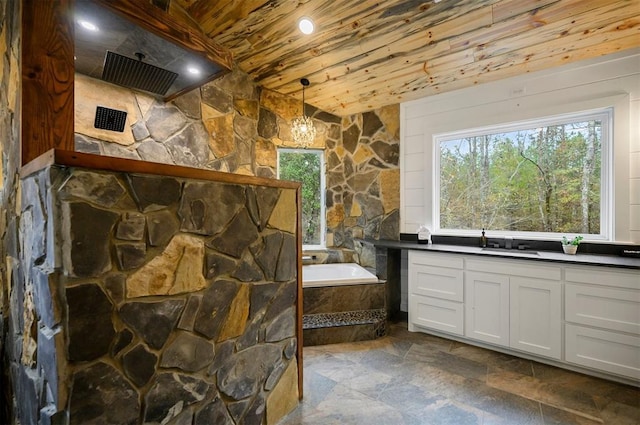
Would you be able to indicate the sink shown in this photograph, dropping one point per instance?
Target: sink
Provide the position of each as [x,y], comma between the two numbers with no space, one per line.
[514,252]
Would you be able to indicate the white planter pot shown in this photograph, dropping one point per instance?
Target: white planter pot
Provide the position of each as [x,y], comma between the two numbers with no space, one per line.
[570,249]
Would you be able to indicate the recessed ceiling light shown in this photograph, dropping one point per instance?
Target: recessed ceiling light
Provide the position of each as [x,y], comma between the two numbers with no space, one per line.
[88,25]
[193,70]
[305,25]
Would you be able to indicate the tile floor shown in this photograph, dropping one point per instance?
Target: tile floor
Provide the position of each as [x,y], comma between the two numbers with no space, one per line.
[414,378]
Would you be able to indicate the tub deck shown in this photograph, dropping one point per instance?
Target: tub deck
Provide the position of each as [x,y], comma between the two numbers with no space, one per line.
[316,275]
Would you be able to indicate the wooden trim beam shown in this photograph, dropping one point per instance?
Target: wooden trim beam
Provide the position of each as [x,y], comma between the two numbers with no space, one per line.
[162,24]
[300,299]
[110,163]
[47,78]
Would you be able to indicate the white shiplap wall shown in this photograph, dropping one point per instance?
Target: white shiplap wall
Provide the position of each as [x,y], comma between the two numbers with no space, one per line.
[612,80]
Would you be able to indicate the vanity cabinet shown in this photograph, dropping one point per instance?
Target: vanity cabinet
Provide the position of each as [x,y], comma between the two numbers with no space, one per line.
[506,306]
[585,316]
[436,292]
[602,319]
[488,300]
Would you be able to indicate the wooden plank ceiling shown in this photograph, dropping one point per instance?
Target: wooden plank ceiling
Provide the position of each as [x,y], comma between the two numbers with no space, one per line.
[370,53]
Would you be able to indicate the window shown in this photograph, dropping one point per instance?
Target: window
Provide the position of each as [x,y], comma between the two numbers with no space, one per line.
[536,178]
[307,167]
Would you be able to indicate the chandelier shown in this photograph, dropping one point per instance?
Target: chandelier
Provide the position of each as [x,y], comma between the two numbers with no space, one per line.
[302,129]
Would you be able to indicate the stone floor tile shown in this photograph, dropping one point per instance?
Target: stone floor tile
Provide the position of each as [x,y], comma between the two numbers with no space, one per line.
[401,332]
[338,369]
[369,383]
[353,407]
[612,391]
[409,398]
[555,416]
[509,407]
[493,359]
[410,378]
[448,413]
[443,360]
[571,399]
[381,361]
[315,388]
[615,413]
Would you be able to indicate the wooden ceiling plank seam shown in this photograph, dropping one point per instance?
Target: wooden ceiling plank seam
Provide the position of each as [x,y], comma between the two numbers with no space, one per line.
[510,8]
[237,11]
[199,9]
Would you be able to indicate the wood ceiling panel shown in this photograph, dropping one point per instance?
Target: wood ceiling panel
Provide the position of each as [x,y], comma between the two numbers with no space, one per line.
[370,53]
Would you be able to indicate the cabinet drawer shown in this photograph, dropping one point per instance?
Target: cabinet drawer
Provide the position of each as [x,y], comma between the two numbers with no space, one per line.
[515,268]
[431,259]
[438,282]
[601,276]
[442,315]
[603,350]
[609,308]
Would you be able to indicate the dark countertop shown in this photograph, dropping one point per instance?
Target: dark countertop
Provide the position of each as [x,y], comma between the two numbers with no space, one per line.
[581,259]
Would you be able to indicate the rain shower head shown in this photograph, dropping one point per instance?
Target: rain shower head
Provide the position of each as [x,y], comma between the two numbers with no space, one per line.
[106,45]
[136,74]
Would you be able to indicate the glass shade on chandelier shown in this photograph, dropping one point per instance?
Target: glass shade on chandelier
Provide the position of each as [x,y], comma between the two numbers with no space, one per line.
[303,131]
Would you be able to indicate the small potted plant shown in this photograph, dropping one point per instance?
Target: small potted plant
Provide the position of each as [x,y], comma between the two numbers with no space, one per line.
[570,246]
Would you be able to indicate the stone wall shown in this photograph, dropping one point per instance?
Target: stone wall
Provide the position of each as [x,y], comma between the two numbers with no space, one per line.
[9,186]
[363,182]
[226,125]
[233,125]
[154,299]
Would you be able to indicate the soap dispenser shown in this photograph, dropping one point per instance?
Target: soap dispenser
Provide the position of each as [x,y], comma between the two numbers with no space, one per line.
[483,239]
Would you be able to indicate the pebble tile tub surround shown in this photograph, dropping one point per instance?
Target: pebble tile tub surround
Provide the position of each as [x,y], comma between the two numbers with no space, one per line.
[153,299]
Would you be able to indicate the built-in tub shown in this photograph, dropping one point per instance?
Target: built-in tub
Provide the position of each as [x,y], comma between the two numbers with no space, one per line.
[335,274]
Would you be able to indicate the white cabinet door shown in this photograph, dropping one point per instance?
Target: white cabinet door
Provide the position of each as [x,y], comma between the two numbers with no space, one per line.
[535,316]
[487,307]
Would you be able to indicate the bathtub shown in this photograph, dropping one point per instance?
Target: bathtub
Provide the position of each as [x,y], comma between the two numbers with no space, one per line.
[315,275]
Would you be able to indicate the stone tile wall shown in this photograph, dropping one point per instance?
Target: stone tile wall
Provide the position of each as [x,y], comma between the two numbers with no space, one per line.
[363,182]
[10,270]
[233,125]
[153,299]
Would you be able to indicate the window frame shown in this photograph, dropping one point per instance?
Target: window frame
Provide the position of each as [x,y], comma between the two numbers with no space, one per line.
[323,205]
[606,114]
